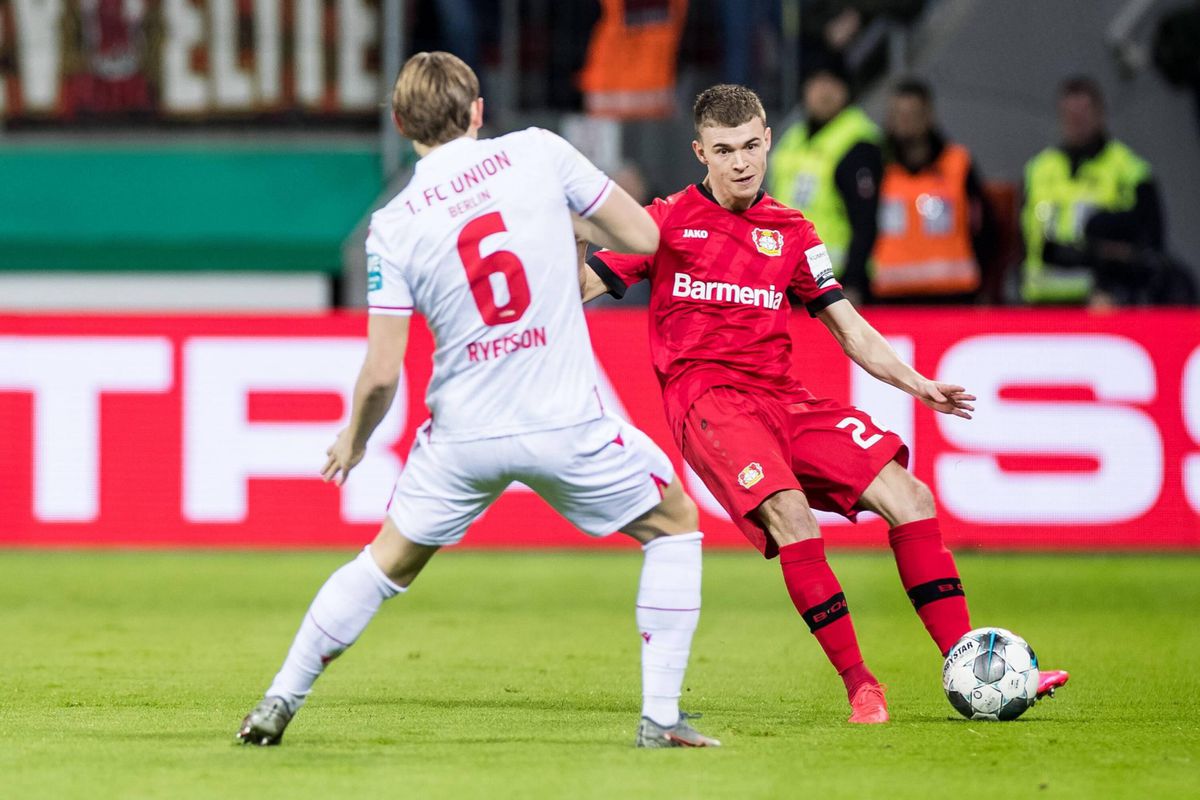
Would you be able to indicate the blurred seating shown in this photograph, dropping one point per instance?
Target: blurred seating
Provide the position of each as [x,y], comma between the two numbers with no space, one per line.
[91,211]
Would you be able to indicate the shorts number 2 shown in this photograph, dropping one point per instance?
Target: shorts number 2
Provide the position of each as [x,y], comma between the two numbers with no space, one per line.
[857,429]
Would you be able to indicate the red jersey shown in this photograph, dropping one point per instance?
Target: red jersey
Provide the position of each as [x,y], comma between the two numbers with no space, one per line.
[719,314]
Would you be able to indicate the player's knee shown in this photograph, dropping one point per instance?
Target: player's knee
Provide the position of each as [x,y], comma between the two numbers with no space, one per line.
[681,514]
[787,517]
[920,500]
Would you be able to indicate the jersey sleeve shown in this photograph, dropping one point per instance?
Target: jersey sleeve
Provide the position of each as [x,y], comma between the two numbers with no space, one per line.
[585,186]
[813,281]
[388,291]
[619,271]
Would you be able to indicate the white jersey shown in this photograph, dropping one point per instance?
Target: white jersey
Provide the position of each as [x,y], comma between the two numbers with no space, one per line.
[480,243]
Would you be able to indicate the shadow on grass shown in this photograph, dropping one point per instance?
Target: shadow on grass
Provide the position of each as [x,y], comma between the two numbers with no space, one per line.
[940,719]
[498,703]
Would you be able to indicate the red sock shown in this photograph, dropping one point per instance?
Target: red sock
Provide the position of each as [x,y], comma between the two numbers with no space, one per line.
[930,577]
[818,597]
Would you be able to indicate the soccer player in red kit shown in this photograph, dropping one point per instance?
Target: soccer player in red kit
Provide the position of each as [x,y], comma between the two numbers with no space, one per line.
[768,449]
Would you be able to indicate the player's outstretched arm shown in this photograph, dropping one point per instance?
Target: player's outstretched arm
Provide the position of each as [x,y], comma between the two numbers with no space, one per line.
[387,340]
[620,224]
[867,348]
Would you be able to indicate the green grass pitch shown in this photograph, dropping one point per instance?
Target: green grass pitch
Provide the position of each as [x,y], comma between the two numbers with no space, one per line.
[515,675]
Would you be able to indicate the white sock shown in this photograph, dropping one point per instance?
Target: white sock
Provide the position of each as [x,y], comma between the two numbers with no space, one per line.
[338,615]
[668,608]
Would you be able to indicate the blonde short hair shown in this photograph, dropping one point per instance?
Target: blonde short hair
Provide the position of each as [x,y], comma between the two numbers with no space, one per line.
[433,96]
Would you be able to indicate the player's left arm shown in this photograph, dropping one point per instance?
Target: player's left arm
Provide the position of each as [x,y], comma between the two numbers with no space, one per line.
[867,348]
[387,341]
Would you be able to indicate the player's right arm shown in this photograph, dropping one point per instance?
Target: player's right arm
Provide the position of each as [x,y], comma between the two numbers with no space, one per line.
[603,212]
[390,303]
[619,224]
[374,390]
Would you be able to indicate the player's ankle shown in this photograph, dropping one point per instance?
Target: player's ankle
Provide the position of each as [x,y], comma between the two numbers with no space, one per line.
[856,676]
[663,711]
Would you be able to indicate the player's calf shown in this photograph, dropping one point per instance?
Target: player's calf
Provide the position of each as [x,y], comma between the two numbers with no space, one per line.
[813,587]
[927,569]
[668,602]
[339,613]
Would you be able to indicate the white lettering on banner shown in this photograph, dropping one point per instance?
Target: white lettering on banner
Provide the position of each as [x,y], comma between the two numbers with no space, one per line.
[39,51]
[1124,440]
[3,82]
[183,90]
[222,450]
[269,44]
[357,32]
[1190,398]
[67,375]
[310,52]
[231,85]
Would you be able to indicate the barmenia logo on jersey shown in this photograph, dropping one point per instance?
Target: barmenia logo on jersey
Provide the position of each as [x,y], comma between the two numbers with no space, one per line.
[751,474]
[721,292]
[768,242]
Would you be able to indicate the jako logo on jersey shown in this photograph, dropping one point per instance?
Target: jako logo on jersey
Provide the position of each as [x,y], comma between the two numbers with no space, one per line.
[768,242]
[751,474]
[720,292]
[695,233]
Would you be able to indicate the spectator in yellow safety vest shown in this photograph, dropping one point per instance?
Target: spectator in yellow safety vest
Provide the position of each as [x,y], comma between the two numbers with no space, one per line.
[935,226]
[1092,219]
[829,167]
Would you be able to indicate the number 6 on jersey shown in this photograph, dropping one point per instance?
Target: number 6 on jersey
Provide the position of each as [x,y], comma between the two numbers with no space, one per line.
[498,281]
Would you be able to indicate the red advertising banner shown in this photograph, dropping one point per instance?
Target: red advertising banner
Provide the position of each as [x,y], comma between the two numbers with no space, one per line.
[210,431]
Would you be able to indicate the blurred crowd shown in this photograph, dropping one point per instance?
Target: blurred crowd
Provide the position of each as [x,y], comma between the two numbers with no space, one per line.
[907,213]
[908,218]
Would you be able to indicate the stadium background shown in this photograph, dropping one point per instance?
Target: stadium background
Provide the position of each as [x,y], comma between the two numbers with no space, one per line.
[210,160]
[184,188]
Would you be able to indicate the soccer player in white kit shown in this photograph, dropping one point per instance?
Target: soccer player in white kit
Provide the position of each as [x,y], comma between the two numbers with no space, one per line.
[481,243]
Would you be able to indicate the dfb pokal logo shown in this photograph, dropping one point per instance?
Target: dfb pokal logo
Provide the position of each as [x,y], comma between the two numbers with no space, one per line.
[751,474]
[768,242]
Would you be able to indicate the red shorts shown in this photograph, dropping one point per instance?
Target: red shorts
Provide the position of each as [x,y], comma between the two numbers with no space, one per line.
[747,447]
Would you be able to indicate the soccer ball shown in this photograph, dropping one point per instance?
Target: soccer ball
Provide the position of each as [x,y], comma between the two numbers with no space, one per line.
[992,674]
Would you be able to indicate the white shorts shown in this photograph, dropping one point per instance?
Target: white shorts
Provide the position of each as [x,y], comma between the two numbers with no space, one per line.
[600,475]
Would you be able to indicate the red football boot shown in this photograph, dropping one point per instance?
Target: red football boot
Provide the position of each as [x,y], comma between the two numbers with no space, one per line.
[868,704]
[1049,680]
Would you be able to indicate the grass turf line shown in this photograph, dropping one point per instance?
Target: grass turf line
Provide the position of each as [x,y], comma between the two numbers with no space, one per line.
[516,675]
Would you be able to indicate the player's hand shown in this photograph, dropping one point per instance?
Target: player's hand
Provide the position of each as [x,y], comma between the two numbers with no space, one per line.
[946,398]
[342,458]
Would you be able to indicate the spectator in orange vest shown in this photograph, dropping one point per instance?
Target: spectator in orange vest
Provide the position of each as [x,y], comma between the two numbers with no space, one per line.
[631,60]
[935,227]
